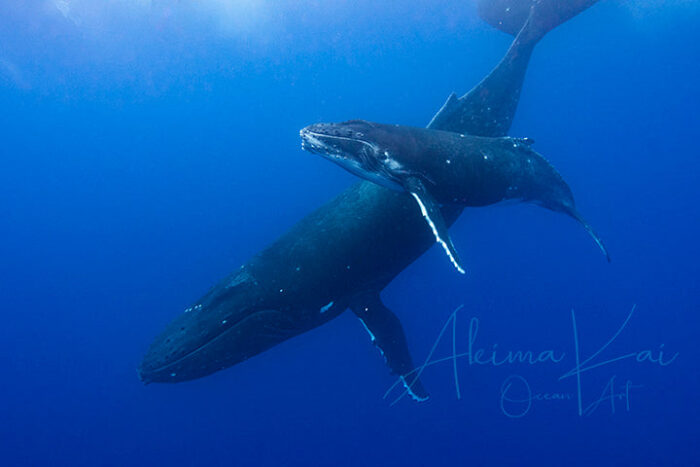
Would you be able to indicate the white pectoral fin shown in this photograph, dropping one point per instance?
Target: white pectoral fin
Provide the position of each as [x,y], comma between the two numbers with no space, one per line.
[432,215]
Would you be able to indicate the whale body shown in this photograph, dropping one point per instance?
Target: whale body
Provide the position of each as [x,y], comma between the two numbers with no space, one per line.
[343,254]
[442,167]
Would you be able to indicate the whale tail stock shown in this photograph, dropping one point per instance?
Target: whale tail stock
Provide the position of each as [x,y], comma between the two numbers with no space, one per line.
[536,17]
[488,109]
[529,21]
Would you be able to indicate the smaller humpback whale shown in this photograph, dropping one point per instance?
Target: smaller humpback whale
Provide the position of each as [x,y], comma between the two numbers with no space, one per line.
[441,168]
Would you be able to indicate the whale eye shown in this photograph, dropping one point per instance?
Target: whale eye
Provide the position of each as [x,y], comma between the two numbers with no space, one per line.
[384,155]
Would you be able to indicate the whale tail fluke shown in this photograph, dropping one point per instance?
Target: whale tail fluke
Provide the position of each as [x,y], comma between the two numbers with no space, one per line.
[596,238]
[511,16]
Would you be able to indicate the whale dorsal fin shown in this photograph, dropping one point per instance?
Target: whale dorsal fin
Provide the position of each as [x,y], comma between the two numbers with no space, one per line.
[432,215]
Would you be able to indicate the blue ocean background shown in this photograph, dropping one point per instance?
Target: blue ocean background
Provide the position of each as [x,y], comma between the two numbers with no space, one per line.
[149,148]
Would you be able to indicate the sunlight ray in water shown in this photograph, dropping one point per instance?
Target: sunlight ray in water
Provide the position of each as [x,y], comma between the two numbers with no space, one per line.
[181,284]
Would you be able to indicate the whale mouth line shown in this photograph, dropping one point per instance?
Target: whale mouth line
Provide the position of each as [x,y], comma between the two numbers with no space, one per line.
[312,142]
[163,368]
[360,161]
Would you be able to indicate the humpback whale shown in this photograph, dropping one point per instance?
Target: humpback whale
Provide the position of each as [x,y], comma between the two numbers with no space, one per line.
[440,167]
[346,252]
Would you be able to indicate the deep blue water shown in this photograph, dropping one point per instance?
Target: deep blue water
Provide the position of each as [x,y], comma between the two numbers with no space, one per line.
[150,148]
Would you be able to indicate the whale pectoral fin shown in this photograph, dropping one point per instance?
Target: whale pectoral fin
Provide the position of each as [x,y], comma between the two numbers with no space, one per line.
[432,215]
[387,334]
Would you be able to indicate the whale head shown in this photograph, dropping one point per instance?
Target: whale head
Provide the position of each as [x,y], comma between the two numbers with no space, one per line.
[365,149]
[225,327]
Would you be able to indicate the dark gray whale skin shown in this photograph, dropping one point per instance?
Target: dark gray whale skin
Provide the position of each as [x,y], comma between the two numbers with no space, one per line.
[458,168]
[442,167]
[340,256]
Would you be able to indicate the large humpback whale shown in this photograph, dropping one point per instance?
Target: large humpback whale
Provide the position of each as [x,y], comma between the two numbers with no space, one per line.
[441,167]
[343,254]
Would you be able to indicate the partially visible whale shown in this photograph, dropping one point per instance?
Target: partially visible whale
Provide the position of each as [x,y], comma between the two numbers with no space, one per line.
[441,167]
[343,254]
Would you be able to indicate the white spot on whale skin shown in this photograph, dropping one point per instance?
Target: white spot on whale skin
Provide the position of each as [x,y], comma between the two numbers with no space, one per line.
[413,395]
[394,165]
[326,307]
[371,335]
[240,278]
